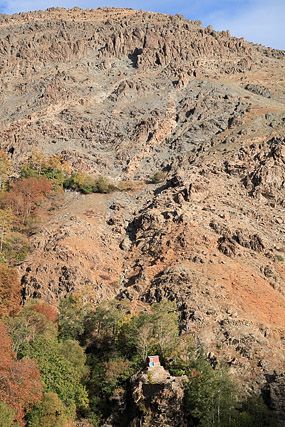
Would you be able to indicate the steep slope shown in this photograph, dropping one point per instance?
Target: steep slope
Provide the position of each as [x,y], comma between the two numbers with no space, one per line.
[125,94]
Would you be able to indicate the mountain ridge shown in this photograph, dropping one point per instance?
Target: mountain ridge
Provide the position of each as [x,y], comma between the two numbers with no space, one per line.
[125,94]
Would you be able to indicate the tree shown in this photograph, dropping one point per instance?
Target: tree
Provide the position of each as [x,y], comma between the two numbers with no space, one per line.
[45,309]
[20,385]
[33,166]
[37,164]
[10,291]
[107,323]
[108,382]
[137,337]
[144,339]
[254,412]
[5,168]
[47,413]
[71,318]
[156,331]
[166,331]
[116,372]
[28,325]
[109,316]
[24,196]
[59,375]
[72,352]
[56,168]
[6,222]
[210,395]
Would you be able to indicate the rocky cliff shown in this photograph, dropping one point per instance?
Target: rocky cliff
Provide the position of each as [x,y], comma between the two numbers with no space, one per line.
[157,397]
[125,94]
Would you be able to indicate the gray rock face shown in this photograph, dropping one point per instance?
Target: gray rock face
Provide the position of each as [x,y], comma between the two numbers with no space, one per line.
[258,90]
[275,391]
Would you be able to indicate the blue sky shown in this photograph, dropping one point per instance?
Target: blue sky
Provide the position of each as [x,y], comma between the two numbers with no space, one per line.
[260,21]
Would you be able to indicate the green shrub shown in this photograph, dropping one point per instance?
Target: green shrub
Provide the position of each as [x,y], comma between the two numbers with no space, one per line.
[27,171]
[158,177]
[86,184]
[103,186]
[78,181]
[129,185]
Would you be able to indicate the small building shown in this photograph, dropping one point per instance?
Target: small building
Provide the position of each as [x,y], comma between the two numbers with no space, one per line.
[153,361]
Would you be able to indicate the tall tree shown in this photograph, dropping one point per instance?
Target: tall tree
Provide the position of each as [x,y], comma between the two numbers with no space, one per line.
[33,165]
[137,336]
[210,395]
[166,331]
[5,168]
[20,385]
[71,318]
[56,168]
[6,223]
[10,291]
[28,325]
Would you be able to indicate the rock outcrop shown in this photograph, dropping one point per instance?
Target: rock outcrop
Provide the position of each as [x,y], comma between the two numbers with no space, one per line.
[275,394]
[157,398]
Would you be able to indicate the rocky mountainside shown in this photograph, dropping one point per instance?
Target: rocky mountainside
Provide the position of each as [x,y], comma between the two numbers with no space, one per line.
[125,94]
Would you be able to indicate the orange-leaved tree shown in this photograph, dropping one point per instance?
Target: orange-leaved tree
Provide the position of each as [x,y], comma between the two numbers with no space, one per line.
[20,385]
[46,309]
[24,197]
[10,291]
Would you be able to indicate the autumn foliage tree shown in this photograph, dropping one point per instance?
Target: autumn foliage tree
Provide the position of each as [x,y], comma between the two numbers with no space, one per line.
[20,385]
[45,309]
[24,197]
[10,291]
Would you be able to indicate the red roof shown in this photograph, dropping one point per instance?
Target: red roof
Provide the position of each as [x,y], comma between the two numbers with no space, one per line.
[153,358]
